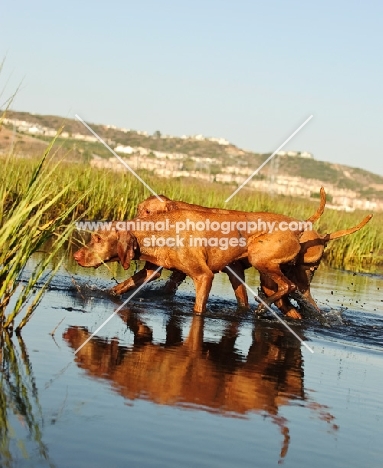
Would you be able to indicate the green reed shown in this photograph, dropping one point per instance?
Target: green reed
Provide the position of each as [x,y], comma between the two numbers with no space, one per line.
[32,212]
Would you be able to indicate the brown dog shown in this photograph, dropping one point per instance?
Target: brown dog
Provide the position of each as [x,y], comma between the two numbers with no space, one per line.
[266,251]
[235,272]
[307,262]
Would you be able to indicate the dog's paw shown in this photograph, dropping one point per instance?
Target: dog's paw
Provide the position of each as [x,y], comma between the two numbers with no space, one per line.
[293,314]
[260,310]
[113,293]
[243,307]
[116,291]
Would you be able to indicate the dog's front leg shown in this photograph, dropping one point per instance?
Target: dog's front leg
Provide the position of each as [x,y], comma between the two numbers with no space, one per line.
[237,280]
[137,279]
[202,284]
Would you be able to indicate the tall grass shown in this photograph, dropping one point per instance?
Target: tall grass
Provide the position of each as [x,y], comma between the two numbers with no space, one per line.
[31,212]
[114,195]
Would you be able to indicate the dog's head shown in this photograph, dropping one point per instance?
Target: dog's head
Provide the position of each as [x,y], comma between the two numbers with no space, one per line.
[108,246]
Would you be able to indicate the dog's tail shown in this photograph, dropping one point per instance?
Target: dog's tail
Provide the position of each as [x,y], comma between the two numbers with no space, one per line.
[320,209]
[345,232]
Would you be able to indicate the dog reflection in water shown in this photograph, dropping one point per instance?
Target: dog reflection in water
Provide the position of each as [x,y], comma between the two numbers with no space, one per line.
[202,374]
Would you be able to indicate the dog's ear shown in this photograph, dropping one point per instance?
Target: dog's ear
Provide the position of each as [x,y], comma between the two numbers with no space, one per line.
[126,248]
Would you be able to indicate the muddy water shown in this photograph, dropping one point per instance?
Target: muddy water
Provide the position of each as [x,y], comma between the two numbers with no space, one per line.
[159,387]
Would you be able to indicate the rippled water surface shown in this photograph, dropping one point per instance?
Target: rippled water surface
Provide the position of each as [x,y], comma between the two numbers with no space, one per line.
[159,387]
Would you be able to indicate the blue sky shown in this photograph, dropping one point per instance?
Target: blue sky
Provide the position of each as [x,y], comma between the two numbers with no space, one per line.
[247,71]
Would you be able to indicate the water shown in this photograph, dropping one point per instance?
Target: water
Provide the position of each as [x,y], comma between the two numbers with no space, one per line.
[159,387]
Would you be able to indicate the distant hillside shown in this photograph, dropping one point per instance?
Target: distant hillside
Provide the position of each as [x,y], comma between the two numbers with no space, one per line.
[344,177]
[217,159]
[155,142]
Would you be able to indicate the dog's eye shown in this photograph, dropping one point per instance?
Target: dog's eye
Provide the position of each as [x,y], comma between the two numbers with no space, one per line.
[97,238]
[147,211]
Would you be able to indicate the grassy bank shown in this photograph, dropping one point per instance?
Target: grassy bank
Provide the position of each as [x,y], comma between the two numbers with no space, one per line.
[28,219]
[115,195]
